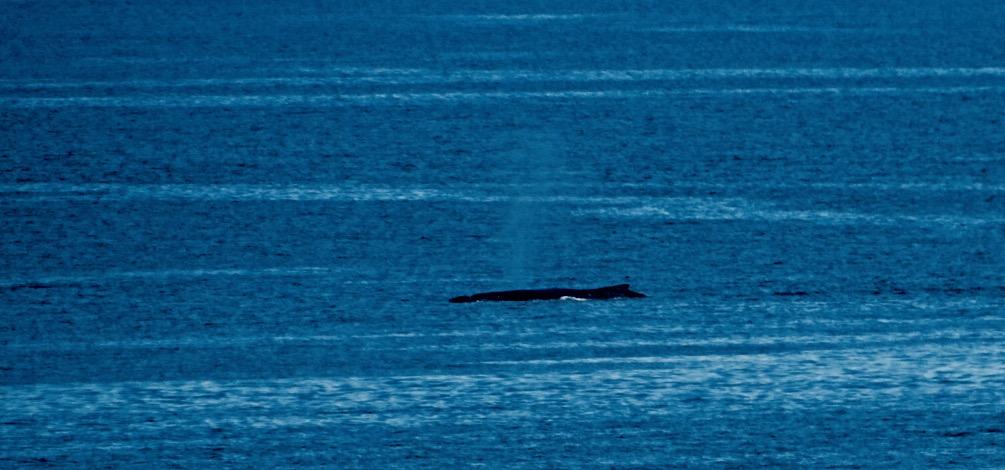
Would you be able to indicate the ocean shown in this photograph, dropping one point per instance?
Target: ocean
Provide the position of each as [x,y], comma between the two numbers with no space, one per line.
[230,229]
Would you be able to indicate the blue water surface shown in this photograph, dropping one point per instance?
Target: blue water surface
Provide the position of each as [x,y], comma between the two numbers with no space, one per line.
[229,231]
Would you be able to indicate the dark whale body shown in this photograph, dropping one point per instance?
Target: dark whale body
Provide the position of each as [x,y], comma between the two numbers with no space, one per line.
[600,293]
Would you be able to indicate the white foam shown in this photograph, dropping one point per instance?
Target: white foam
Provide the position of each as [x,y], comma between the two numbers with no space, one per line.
[331,76]
[369,99]
[877,184]
[785,380]
[517,17]
[821,340]
[756,28]
[220,192]
[935,186]
[646,207]
[168,274]
[983,340]
[716,209]
[250,192]
[518,342]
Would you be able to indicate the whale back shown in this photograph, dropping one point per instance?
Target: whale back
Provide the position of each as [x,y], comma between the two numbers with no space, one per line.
[600,293]
[618,290]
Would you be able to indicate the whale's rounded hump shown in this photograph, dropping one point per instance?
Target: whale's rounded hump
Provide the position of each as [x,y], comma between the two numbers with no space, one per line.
[626,291]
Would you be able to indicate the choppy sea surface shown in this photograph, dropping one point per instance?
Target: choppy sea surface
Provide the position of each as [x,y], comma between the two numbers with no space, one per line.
[228,231]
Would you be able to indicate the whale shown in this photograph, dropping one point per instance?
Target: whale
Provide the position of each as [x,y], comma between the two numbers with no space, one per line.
[600,293]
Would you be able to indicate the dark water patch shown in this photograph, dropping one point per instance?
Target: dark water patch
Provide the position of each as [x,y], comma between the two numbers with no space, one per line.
[791,293]
[19,422]
[954,290]
[39,285]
